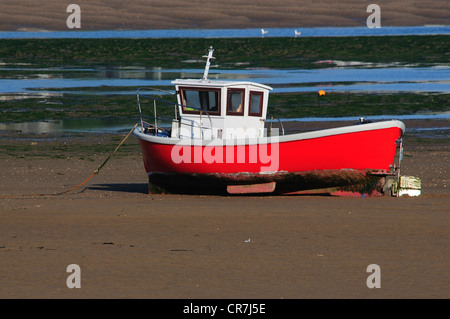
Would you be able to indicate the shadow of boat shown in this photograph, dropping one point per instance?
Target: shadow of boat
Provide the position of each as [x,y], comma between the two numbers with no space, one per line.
[139,188]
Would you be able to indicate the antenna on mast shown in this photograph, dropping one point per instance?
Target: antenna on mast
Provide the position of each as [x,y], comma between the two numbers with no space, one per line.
[208,62]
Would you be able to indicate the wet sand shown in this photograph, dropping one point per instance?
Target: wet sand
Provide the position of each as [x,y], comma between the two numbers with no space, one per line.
[140,14]
[130,244]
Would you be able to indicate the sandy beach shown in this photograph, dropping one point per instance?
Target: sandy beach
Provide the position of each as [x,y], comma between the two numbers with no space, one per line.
[131,244]
[140,14]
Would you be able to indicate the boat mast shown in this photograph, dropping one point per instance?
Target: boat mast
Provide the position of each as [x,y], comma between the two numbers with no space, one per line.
[208,62]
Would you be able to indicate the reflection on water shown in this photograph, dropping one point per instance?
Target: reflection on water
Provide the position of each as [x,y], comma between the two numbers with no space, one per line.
[430,132]
[435,116]
[28,95]
[71,125]
[113,125]
[337,79]
[32,127]
[25,82]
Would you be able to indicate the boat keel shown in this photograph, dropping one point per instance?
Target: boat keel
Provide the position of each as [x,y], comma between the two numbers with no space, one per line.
[348,183]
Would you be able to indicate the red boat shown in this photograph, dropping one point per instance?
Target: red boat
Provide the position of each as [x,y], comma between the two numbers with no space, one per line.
[220,143]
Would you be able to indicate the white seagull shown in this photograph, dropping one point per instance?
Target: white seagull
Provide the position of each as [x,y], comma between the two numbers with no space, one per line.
[297,33]
[264,31]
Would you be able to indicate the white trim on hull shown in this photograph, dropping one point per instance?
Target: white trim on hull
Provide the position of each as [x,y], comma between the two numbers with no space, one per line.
[278,139]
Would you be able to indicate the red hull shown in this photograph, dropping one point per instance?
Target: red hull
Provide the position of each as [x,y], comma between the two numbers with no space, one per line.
[325,161]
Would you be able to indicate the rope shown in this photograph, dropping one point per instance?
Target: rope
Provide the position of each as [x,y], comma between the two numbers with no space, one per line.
[82,183]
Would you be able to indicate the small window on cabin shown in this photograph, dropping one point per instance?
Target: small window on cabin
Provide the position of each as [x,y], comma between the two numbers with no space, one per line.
[256,103]
[196,100]
[235,102]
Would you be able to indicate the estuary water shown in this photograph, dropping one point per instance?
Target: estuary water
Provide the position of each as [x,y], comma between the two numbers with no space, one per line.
[232,33]
[27,81]
[355,78]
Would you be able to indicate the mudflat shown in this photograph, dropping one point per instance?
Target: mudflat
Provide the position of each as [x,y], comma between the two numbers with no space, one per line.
[131,244]
[30,15]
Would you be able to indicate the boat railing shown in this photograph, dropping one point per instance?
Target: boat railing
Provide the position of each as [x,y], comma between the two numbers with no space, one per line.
[271,124]
[140,94]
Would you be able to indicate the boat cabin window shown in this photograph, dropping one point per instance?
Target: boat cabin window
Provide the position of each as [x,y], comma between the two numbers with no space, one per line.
[256,103]
[235,102]
[195,99]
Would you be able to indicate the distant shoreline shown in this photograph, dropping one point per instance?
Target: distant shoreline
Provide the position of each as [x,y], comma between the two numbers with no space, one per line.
[343,31]
[96,15]
[38,30]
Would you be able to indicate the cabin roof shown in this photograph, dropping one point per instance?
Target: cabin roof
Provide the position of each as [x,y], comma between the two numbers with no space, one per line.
[218,83]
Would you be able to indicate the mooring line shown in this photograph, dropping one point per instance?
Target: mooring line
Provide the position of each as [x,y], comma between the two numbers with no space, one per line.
[82,183]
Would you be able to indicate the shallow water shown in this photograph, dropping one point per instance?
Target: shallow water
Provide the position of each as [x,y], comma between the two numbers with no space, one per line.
[124,125]
[70,126]
[434,116]
[26,81]
[231,33]
[335,79]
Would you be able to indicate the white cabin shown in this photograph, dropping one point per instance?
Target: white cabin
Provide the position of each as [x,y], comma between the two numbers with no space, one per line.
[212,109]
